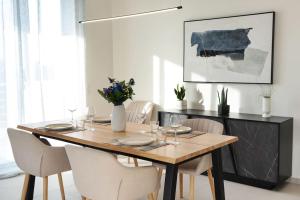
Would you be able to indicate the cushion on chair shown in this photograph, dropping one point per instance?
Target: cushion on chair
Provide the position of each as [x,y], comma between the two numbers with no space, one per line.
[197,166]
[139,112]
[203,163]
[35,157]
[98,175]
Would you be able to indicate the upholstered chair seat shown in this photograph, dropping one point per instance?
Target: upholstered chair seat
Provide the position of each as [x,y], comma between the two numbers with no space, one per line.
[36,158]
[139,112]
[204,163]
[99,176]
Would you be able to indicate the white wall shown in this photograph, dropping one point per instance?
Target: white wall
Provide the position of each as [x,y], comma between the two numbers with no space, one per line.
[98,42]
[150,49]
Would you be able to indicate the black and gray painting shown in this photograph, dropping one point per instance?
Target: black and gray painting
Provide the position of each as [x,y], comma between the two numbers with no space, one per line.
[231,43]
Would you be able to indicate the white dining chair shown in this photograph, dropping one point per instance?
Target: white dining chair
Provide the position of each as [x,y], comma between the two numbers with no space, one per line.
[139,112]
[37,158]
[202,164]
[99,176]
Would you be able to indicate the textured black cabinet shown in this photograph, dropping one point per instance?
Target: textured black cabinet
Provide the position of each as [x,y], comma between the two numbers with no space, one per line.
[263,155]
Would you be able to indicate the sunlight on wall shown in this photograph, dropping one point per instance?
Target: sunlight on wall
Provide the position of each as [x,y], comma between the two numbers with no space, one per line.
[208,98]
[172,77]
[156,80]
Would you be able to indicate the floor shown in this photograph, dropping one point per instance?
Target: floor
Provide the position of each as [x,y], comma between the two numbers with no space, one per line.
[10,189]
[5,148]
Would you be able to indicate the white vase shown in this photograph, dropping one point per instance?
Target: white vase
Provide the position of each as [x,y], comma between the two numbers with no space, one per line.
[118,120]
[181,104]
[266,107]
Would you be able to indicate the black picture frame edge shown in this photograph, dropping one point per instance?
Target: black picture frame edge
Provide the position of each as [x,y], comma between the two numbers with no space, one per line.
[232,16]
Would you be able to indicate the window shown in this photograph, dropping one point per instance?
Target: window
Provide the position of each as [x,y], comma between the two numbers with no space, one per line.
[41,62]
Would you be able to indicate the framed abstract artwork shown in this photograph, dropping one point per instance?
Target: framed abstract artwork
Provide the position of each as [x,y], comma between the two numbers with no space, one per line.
[235,49]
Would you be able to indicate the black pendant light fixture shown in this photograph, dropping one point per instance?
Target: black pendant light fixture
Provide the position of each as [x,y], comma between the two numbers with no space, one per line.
[132,15]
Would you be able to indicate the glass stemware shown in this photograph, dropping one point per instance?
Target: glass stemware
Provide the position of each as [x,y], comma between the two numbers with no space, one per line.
[175,125]
[72,110]
[90,117]
[154,125]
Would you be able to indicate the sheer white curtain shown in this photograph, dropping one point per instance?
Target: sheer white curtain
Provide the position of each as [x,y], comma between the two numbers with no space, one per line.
[41,62]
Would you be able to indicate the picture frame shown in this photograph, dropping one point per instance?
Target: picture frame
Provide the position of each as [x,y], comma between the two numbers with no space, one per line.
[235,49]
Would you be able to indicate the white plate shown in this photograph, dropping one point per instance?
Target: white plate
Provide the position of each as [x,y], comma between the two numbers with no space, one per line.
[102,120]
[180,130]
[136,140]
[58,126]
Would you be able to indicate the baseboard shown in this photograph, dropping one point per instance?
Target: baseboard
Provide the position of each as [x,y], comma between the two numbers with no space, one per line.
[294,180]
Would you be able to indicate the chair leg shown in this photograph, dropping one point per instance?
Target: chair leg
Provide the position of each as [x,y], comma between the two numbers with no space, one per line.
[160,171]
[181,184]
[83,198]
[150,196]
[25,186]
[211,183]
[192,187]
[135,162]
[128,160]
[45,188]
[61,186]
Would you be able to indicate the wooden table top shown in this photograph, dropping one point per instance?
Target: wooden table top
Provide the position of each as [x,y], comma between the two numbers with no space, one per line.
[103,137]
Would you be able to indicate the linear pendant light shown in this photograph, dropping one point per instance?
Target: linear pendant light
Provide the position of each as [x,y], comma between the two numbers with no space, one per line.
[131,15]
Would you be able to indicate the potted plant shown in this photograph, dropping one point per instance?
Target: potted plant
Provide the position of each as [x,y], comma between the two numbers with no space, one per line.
[117,93]
[180,94]
[223,108]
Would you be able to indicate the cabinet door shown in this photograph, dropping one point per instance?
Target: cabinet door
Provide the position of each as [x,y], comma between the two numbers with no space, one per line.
[256,151]
[165,118]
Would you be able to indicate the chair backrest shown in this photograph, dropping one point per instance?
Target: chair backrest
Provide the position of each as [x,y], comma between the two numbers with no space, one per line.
[139,112]
[25,146]
[205,125]
[99,175]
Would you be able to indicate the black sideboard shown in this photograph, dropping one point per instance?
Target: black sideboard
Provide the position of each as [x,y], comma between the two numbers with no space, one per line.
[263,155]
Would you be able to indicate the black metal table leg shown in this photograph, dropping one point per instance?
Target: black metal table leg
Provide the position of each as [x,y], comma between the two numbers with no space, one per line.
[30,189]
[218,174]
[233,160]
[170,182]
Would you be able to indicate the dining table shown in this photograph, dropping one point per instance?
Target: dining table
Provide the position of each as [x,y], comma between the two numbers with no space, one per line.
[171,156]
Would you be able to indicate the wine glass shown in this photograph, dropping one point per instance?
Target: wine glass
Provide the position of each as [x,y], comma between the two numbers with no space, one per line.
[90,117]
[154,125]
[72,110]
[175,125]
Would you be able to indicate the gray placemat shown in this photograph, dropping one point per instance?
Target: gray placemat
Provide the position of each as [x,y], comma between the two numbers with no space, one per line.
[149,147]
[187,135]
[74,129]
[152,146]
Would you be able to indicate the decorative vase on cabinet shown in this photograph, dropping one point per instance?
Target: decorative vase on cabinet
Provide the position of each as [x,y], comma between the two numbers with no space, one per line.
[266,107]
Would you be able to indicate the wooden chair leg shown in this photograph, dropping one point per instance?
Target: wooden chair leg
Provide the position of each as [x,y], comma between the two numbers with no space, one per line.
[45,188]
[211,183]
[192,187]
[160,171]
[61,186]
[181,185]
[128,160]
[25,186]
[135,162]
[83,198]
[150,196]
